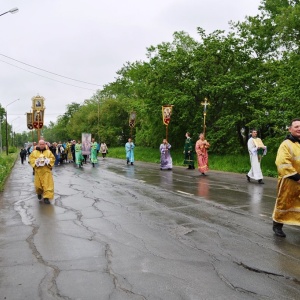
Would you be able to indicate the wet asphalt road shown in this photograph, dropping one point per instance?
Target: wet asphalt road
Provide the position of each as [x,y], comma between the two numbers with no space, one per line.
[135,232]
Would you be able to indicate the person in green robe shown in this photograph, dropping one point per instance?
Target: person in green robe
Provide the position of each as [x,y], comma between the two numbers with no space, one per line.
[78,154]
[189,152]
[94,146]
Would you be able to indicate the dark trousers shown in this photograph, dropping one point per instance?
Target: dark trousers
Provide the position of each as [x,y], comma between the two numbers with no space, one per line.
[23,157]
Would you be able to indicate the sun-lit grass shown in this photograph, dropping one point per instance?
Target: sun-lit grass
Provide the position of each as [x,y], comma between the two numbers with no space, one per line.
[226,162]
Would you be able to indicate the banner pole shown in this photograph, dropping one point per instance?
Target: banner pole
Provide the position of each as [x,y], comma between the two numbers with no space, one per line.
[167,132]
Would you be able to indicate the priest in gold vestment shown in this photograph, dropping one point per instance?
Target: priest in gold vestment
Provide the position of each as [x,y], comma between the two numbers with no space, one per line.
[287,207]
[42,161]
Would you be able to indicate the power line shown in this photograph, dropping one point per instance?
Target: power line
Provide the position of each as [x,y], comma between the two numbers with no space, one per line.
[49,71]
[47,77]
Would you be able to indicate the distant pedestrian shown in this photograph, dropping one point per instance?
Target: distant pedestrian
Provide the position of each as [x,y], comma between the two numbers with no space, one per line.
[189,152]
[73,150]
[129,148]
[201,149]
[23,153]
[256,150]
[165,156]
[69,151]
[103,149]
[286,210]
[94,156]
[98,147]
[78,154]
[42,161]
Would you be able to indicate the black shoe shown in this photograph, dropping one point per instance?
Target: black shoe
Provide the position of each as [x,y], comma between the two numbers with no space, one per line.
[127,162]
[278,231]
[39,197]
[131,163]
[260,181]
[46,201]
[93,165]
[203,174]
[248,178]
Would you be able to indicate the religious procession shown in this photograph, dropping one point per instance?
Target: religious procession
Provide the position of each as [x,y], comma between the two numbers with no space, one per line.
[43,156]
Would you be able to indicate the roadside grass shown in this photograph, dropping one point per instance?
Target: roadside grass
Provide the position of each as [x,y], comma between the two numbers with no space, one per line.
[227,163]
[6,164]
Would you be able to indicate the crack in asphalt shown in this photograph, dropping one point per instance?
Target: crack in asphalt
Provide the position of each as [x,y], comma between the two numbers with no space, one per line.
[52,289]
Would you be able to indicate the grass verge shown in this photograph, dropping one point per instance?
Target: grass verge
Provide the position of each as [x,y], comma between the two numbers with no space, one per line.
[6,164]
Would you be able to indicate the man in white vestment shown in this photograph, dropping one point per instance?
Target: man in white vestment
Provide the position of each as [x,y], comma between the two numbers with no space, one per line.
[256,150]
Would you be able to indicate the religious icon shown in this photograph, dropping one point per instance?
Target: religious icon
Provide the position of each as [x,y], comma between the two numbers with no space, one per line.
[166,113]
[86,139]
[38,119]
[132,118]
[38,103]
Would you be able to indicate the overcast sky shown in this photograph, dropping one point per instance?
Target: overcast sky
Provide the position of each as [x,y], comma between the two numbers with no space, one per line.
[90,40]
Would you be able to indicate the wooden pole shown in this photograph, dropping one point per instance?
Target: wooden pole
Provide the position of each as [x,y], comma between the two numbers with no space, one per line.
[167,132]
[204,126]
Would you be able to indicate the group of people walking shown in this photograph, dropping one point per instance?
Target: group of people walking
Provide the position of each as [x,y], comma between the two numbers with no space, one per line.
[190,149]
[44,155]
[287,207]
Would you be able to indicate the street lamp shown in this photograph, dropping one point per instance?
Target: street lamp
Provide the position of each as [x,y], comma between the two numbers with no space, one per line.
[6,125]
[12,11]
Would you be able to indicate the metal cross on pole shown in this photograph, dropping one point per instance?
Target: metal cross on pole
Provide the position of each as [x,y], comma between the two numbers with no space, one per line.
[205,103]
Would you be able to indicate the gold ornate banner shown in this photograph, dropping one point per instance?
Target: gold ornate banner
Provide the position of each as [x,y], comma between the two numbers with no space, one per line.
[38,119]
[132,118]
[166,113]
[29,121]
[38,102]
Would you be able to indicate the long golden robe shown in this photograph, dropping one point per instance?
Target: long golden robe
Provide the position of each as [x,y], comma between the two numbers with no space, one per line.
[287,207]
[43,179]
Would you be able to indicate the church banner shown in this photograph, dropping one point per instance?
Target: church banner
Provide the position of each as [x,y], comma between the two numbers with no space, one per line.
[132,118]
[29,121]
[38,119]
[166,113]
[86,140]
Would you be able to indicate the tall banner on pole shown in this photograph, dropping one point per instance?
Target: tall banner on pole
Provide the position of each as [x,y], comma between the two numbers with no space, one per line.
[86,140]
[38,109]
[166,115]
[29,121]
[132,120]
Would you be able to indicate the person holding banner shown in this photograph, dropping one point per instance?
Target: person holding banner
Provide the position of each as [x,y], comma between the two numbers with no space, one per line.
[165,156]
[201,149]
[129,148]
[189,152]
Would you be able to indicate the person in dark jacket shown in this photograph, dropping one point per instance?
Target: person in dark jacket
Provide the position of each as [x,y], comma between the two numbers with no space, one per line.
[23,153]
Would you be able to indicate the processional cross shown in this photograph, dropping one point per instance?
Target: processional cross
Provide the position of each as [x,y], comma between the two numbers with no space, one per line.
[205,103]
